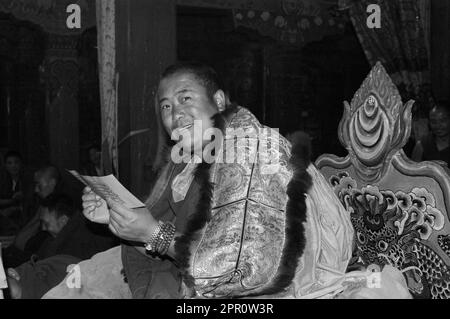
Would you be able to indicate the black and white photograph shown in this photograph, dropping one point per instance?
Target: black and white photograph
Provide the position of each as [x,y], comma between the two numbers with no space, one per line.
[253,152]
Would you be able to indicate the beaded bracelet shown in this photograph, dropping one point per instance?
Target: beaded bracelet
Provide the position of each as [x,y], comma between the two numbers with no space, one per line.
[161,238]
[168,231]
[150,245]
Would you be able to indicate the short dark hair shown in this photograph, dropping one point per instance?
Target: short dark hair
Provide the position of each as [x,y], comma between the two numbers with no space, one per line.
[50,171]
[13,154]
[441,106]
[205,74]
[59,204]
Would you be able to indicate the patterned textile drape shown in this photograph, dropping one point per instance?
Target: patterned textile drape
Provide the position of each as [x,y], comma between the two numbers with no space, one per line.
[400,44]
[295,22]
[108,84]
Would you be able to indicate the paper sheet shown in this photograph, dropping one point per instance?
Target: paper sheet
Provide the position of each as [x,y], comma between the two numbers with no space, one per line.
[109,188]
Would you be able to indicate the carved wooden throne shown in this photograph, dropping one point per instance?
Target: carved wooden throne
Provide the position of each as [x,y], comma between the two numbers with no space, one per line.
[398,208]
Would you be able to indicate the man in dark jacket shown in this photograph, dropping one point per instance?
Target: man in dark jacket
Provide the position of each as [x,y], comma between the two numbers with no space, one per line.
[47,181]
[70,233]
[71,239]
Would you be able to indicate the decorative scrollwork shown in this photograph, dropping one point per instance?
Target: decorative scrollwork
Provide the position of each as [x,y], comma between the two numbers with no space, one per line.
[391,227]
[375,125]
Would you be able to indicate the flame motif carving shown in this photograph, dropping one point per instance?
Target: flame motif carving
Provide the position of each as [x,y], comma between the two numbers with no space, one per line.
[375,125]
[369,132]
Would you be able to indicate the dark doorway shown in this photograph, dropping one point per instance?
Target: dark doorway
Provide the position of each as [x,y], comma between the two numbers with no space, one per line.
[22,97]
[286,86]
[209,36]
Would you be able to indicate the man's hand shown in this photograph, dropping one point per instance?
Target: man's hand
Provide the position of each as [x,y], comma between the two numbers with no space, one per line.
[94,207]
[131,224]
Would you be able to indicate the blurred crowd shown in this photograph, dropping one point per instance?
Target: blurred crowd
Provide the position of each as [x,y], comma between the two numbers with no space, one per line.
[42,228]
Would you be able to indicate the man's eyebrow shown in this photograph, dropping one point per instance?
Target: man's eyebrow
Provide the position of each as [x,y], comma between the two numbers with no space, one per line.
[181,91]
[184,90]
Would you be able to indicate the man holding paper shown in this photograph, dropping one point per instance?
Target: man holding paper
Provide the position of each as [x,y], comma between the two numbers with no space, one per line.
[235,211]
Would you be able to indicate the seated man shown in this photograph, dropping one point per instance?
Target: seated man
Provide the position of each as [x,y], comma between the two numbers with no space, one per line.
[47,182]
[69,231]
[93,167]
[242,214]
[70,241]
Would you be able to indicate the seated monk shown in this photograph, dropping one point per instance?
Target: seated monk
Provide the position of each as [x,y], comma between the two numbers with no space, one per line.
[70,233]
[70,240]
[243,214]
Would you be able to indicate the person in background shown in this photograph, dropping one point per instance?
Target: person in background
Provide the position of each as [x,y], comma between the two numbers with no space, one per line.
[419,129]
[436,145]
[14,187]
[30,237]
[11,185]
[68,230]
[70,241]
[93,167]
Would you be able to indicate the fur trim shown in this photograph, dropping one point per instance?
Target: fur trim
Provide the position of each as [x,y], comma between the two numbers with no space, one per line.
[196,222]
[202,215]
[295,215]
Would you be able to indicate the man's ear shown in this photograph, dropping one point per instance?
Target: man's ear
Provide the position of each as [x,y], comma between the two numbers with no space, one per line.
[220,100]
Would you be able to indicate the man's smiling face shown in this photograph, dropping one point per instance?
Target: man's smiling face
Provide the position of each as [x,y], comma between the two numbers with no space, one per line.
[182,100]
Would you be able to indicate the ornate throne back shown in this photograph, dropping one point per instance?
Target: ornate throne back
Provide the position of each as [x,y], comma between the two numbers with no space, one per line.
[398,208]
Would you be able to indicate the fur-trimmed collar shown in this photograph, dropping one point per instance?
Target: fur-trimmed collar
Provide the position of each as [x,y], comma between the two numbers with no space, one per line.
[295,213]
[202,215]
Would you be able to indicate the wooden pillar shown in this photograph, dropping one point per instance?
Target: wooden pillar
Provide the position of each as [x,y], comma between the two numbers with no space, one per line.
[145,45]
[61,73]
